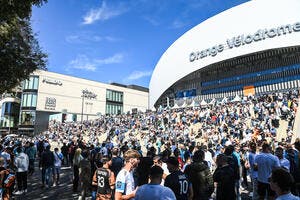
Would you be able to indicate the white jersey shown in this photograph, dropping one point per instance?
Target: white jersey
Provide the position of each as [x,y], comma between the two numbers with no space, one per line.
[125,182]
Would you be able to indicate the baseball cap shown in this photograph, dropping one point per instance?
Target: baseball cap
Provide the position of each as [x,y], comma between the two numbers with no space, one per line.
[173,161]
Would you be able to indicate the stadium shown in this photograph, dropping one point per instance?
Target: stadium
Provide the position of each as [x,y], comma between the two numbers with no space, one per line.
[239,52]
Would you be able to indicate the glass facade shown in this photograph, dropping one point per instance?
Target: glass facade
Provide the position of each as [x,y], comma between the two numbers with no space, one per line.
[29,100]
[9,114]
[114,96]
[114,102]
[27,118]
[31,84]
[114,108]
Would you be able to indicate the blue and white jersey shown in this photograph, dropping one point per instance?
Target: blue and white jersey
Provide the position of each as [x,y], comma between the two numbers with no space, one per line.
[125,182]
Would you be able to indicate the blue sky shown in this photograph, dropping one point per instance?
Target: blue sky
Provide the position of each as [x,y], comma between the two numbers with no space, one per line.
[116,40]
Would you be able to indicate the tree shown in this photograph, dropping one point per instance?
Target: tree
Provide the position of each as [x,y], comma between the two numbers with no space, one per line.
[20,53]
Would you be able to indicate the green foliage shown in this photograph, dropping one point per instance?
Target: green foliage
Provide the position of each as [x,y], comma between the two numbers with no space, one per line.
[20,53]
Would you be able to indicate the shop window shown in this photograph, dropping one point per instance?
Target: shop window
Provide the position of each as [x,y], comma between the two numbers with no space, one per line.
[27,118]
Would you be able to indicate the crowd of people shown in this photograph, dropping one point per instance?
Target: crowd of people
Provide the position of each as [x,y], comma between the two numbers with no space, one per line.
[214,152]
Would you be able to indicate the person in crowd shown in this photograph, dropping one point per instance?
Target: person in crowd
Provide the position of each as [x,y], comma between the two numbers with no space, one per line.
[125,185]
[157,160]
[7,158]
[281,182]
[224,176]
[85,174]
[47,163]
[40,149]
[104,179]
[208,157]
[234,164]
[22,163]
[285,163]
[117,161]
[177,181]
[31,152]
[104,150]
[71,152]
[64,151]
[154,190]
[4,192]
[200,177]
[265,162]
[143,169]
[58,159]
[176,153]
[253,171]
[292,154]
[76,160]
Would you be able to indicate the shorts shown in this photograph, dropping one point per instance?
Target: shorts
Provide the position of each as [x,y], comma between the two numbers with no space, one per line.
[103,196]
[56,170]
[263,189]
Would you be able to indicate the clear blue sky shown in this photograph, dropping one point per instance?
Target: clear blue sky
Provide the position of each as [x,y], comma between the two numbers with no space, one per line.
[116,40]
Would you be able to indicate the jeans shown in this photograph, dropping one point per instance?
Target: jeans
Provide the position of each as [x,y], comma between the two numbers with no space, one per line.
[254,185]
[76,178]
[22,180]
[46,175]
[56,172]
[31,166]
[237,189]
[94,193]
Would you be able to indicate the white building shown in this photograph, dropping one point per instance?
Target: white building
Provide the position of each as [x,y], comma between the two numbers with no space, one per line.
[251,48]
[47,95]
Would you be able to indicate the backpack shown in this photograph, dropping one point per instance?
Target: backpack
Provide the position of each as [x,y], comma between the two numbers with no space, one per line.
[9,178]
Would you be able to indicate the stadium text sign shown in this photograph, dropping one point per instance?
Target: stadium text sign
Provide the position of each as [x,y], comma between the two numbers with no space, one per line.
[243,39]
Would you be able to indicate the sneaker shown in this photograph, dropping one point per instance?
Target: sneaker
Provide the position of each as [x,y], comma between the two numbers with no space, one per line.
[19,192]
[54,184]
[25,190]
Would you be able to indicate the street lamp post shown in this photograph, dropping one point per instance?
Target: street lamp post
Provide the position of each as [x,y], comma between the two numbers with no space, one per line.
[82,104]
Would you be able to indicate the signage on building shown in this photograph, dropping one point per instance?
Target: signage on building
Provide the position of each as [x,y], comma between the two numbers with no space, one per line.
[245,39]
[88,94]
[52,81]
[50,103]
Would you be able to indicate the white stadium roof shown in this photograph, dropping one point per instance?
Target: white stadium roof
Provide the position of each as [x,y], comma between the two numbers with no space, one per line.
[260,24]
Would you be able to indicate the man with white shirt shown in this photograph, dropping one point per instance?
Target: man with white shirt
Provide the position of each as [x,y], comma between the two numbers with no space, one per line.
[125,185]
[21,162]
[208,157]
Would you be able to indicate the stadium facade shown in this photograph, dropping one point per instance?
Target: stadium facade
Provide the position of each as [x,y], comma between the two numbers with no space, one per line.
[51,96]
[253,48]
